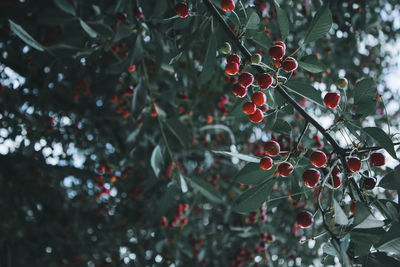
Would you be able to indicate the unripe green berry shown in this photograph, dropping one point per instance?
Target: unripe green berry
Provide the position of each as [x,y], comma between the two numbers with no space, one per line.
[342,83]
[226,48]
[256,59]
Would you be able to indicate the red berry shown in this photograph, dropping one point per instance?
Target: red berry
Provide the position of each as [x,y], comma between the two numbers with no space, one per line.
[335,181]
[164,221]
[182,10]
[233,58]
[377,159]
[266,163]
[249,108]
[276,52]
[132,68]
[280,43]
[290,64]
[285,168]
[311,177]
[318,158]
[259,98]
[245,79]
[270,238]
[272,148]
[354,164]
[209,119]
[265,80]
[121,17]
[369,183]
[227,5]
[239,91]
[353,207]
[331,100]
[304,219]
[138,12]
[257,116]
[231,68]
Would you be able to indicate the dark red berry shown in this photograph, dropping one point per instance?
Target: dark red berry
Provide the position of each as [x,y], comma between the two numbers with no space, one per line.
[354,164]
[290,64]
[259,98]
[231,68]
[233,58]
[239,91]
[272,148]
[266,163]
[249,108]
[377,159]
[331,100]
[227,5]
[318,158]
[257,116]
[369,183]
[311,177]
[265,80]
[276,52]
[285,169]
[182,10]
[304,219]
[245,79]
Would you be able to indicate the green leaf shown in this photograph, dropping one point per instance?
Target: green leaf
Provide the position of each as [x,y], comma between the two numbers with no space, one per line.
[21,33]
[117,67]
[253,198]
[65,6]
[320,25]
[370,222]
[179,130]
[206,189]
[305,90]
[253,22]
[283,22]
[312,64]
[390,241]
[239,156]
[391,180]
[361,213]
[253,174]
[262,40]
[209,60]
[382,139]
[364,96]
[379,259]
[282,127]
[156,160]
[88,29]
[340,216]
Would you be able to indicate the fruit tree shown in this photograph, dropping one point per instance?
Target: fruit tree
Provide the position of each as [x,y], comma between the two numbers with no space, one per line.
[199,132]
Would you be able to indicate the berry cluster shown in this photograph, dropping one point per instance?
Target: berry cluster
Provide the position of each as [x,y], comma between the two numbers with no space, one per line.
[179,220]
[277,53]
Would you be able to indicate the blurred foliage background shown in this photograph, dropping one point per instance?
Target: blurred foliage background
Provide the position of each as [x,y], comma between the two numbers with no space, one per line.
[105,127]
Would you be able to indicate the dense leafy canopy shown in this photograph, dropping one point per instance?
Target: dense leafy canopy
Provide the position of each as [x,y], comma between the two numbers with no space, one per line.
[122,143]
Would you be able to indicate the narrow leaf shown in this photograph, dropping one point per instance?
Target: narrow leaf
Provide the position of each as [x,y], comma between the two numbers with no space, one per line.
[239,156]
[370,222]
[312,64]
[305,90]
[391,180]
[253,22]
[88,29]
[340,216]
[253,174]
[65,6]
[382,139]
[209,62]
[283,22]
[206,189]
[253,198]
[28,39]
[364,96]
[320,25]
[156,160]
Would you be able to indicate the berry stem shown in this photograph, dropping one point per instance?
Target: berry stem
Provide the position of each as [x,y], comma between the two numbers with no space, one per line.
[294,150]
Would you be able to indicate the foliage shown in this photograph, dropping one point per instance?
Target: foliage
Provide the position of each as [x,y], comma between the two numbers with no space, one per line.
[111,121]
